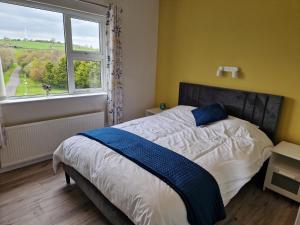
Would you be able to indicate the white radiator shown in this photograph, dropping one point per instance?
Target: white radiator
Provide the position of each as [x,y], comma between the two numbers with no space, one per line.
[33,141]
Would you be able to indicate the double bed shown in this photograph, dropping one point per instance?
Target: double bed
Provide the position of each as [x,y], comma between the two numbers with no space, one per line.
[231,150]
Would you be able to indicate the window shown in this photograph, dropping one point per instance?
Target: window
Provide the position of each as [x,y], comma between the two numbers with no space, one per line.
[81,43]
[44,46]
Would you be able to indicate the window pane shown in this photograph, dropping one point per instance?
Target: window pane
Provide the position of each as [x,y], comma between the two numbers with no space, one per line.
[87,74]
[32,50]
[85,35]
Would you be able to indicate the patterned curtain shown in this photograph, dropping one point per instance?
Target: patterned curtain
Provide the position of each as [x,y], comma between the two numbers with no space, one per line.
[2,96]
[2,135]
[114,66]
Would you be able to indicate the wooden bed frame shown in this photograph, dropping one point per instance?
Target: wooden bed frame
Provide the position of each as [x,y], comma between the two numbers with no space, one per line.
[258,108]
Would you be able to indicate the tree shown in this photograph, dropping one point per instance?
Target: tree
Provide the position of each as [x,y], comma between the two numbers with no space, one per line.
[87,74]
[35,69]
[26,56]
[7,58]
[48,76]
[94,75]
[60,74]
[82,75]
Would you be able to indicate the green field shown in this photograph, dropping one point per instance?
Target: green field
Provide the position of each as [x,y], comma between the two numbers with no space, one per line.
[39,45]
[8,72]
[31,44]
[33,87]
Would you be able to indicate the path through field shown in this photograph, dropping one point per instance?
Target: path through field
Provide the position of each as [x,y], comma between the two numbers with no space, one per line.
[13,82]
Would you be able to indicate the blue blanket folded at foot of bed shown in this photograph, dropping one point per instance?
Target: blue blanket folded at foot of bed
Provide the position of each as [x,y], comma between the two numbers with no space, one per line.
[196,187]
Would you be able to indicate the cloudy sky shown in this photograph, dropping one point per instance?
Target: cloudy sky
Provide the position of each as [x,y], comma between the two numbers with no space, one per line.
[23,22]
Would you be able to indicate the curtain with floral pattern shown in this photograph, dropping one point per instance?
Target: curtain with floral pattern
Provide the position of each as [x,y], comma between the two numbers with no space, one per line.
[2,140]
[2,96]
[114,65]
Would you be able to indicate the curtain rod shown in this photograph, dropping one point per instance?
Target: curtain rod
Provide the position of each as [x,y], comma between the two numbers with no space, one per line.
[92,3]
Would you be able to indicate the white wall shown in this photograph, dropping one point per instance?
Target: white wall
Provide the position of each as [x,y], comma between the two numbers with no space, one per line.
[24,112]
[140,25]
[140,44]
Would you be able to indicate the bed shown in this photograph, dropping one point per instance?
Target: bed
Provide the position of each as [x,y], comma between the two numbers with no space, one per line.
[232,150]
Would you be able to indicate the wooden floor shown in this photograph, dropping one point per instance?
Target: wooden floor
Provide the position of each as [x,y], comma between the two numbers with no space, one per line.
[34,195]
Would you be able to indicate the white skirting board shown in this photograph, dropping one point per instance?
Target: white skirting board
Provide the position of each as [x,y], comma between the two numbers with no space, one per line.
[37,141]
[27,163]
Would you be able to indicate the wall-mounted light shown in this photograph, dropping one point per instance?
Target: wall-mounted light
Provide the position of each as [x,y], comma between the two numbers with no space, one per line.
[233,69]
[220,71]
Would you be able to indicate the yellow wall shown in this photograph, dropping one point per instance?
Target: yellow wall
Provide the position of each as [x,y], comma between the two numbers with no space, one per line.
[262,37]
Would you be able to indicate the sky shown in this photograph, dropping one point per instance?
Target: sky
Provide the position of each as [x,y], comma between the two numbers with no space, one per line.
[18,22]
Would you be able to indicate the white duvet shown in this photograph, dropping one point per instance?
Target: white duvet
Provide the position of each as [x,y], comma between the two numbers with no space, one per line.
[232,150]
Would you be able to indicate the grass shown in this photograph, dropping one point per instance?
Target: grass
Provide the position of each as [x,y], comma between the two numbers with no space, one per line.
[31,44]
[38,45]
[8,72]
[34,87]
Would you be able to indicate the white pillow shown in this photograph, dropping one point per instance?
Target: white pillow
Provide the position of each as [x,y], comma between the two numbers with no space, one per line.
[181,113]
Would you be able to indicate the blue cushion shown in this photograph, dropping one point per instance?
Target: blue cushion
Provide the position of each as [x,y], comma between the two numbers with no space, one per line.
[209,114]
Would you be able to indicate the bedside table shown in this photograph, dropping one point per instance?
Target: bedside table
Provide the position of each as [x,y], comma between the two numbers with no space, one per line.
[283,174]
[152,111]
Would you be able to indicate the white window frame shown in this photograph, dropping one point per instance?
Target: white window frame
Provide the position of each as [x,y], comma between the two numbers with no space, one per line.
[97,56]
[69,13]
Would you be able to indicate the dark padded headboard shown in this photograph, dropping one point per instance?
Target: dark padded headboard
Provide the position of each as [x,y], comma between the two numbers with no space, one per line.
[258,108]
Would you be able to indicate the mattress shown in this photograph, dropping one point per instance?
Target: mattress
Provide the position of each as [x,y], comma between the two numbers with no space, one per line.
[231,150]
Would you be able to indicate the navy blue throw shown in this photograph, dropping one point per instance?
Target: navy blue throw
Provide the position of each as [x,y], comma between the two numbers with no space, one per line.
[209,114]
[197,188]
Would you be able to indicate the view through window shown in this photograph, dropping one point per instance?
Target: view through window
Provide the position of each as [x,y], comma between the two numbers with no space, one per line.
[33,52]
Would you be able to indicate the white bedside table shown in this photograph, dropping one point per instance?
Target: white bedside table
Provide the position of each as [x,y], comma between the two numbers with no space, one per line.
[283,174]
[152,111]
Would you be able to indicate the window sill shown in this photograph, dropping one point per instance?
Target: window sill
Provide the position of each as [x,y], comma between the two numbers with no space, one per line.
[48,98]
